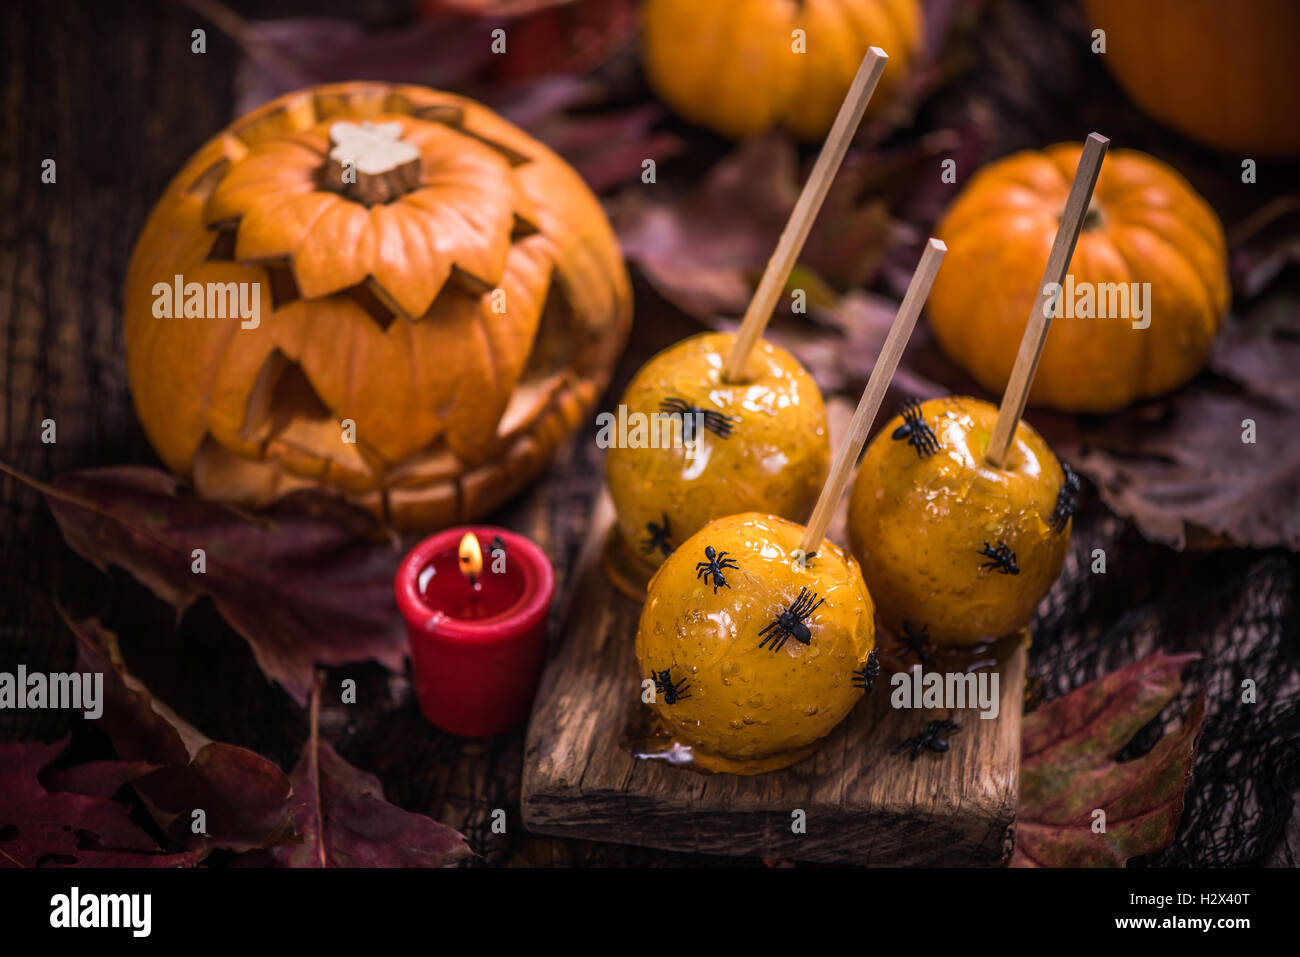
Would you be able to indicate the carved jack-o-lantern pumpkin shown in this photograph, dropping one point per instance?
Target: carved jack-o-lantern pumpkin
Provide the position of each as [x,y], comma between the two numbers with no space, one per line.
[431,302]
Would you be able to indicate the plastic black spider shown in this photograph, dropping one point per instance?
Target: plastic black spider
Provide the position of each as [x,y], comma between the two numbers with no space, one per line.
[1065,499]
[664,685]
[714,566]
[914,643]
[932,736]
[715,422]
[790,623]
[1001,559]
[658,537]
[865,677]
[497,545]
[919,435]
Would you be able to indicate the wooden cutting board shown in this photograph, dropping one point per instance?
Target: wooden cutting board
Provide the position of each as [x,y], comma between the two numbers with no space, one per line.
[861,804]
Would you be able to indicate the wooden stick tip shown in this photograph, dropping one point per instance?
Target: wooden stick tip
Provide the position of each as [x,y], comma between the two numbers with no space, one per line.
[879,52]
[938,245]
[1099,139]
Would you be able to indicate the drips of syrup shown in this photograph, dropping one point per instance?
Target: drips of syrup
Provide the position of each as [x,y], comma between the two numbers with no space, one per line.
[645,738]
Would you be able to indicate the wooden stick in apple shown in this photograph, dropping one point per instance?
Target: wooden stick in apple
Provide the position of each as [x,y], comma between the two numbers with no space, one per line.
[1040,317]
[805,212]
[847,456]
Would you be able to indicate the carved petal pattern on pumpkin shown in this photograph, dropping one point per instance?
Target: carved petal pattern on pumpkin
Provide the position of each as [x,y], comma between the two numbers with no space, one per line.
[464,329]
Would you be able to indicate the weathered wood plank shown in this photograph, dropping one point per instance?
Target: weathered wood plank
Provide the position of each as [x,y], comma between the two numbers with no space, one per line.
[863,804]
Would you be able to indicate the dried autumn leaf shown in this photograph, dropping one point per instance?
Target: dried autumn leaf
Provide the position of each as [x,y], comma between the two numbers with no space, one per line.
[549,44]
[1182,470]
[1218,462]
[44,828]
[285,55]
[700,248]
[843,363]
[100,779]
[1264,244]
[568,36]
[704,249]
[328,812]
[145,732]
[606,146]
[243,796]
[1068,770]
[307,582]
[878,211]
[1260,350]
[344,820]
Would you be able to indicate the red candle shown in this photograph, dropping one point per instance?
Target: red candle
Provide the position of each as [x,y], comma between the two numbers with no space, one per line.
[476,620]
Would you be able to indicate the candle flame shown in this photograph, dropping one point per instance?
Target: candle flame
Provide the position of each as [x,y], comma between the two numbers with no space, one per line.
[470,556]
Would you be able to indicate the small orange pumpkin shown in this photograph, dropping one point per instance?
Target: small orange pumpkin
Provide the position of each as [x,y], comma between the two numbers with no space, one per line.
[1145,225]
[423,355]
[1225,74]
[739,67]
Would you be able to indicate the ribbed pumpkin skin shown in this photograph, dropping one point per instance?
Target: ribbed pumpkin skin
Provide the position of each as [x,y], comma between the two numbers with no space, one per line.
[1146,225]
[1225,74]
[383,315]
[730,65]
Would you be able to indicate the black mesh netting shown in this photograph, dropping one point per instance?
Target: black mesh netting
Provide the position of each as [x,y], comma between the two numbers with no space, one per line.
[1238,609]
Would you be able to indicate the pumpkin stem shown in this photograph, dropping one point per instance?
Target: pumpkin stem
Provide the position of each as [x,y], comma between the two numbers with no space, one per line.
[370,162]
[1093,218]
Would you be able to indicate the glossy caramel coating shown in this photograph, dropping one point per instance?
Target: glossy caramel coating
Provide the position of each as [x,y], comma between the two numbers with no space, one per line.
[750,708]
[918,525]
[773,460]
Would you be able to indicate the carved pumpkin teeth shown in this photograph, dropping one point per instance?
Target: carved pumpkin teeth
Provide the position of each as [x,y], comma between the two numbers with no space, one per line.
[203,185]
